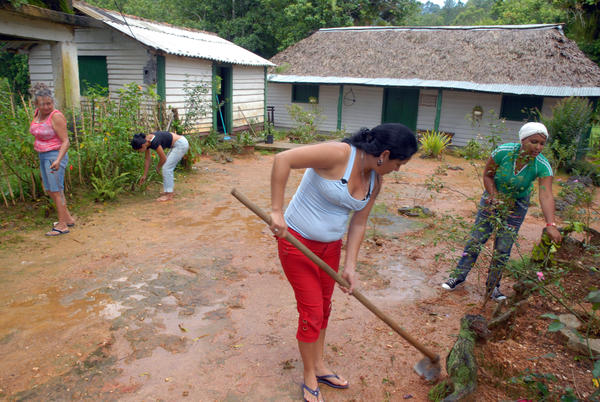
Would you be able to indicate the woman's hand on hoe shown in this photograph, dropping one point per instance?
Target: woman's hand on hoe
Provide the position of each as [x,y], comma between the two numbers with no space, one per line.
[349,275]
[278,225]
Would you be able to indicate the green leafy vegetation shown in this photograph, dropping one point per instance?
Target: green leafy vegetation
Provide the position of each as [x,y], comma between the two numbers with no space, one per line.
[307,121]
[569,125]
[433,144]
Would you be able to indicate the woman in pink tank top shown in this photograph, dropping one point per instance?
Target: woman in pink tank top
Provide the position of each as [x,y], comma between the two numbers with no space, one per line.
[49,127]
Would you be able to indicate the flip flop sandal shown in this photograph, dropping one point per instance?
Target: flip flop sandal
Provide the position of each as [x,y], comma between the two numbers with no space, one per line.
[68,224]
[313,392]
[323,379]
[57,232]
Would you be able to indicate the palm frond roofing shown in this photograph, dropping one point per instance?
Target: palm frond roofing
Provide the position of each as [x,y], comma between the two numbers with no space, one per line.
[172,39]
[527,59]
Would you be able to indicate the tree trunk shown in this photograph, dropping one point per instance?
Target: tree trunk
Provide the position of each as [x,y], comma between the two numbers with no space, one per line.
[460,363]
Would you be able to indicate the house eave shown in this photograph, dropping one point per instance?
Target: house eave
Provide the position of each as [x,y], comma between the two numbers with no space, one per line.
[535,90]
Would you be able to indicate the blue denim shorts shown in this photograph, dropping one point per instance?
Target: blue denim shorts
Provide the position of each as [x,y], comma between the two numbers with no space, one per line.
[53,179]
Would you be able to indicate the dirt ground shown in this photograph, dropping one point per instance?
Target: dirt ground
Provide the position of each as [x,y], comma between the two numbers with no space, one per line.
[186,300]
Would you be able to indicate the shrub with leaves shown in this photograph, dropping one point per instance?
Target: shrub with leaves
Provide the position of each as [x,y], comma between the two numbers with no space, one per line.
[571,119]
[307,122]
[473,150]
[433,144]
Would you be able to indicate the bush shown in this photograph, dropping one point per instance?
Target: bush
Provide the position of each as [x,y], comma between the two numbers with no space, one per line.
[433,144]
[473,150]
[571,119]
[307,120]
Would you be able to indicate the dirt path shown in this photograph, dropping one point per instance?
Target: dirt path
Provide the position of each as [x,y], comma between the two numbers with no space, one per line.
[186,300]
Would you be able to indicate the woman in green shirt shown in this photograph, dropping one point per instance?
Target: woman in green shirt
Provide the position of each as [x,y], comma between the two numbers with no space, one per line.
[508,180]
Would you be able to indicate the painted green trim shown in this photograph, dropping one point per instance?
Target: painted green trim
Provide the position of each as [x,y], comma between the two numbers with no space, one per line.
[161,81]
[213,96]
[340,105]
[265,98]
[438,111]
[229,98]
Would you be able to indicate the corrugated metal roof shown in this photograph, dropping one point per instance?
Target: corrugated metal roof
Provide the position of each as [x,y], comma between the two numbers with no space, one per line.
[463,85]
[175,40]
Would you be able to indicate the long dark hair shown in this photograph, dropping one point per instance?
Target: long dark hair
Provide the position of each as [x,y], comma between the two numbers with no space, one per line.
[394,137]
[138,140]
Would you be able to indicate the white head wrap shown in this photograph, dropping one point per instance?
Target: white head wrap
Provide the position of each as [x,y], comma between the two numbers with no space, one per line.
[530,129]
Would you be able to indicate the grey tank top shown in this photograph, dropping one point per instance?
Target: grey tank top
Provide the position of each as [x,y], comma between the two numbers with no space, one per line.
[320,208]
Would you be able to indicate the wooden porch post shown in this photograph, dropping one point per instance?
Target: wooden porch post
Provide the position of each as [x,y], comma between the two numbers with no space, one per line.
[66,74]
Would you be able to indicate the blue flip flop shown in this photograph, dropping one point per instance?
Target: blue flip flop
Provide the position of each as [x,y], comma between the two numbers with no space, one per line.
[323,379]
[57,232]
[313,392]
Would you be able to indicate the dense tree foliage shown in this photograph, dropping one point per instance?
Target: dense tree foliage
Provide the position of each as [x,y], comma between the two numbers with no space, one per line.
[14,68]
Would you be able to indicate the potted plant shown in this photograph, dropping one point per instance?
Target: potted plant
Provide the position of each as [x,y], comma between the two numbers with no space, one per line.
[246,141]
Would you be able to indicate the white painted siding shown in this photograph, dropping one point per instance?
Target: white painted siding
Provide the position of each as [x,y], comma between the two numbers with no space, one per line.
[457,106]
[182,70]
[426,113]
[279,96]
[328,105]
[365,111]
[125,57]
[248,95]
[40,65]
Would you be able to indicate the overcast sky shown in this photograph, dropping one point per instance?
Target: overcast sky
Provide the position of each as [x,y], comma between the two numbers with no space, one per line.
[438,2]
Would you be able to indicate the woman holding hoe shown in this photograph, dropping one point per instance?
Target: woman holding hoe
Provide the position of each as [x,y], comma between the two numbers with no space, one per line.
[49,127]
[340,178]
[159,141]
[508,180]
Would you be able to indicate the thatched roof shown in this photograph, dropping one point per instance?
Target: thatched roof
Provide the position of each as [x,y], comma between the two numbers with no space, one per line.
[512,55]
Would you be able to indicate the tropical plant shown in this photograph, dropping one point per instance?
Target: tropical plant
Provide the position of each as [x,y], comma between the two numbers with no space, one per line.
[108,186]
[307,122]
[433,143]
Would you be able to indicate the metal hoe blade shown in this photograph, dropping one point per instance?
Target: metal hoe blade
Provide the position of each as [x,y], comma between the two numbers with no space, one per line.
[428,369]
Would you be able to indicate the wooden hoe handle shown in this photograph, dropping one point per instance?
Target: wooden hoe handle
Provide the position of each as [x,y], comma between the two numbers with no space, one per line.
[338,278]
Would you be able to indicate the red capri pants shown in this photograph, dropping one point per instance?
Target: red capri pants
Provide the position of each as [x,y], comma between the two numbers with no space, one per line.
[312,286]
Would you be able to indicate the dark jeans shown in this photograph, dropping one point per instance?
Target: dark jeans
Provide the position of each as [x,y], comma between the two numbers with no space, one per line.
[506,222]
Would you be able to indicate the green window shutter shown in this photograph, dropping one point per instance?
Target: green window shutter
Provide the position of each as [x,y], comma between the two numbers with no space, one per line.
[93,73]
[519,107]
[303,93]
[161,84]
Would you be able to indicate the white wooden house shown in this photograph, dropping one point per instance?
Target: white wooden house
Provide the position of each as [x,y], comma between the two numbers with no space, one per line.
[465,81]
[126,49]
